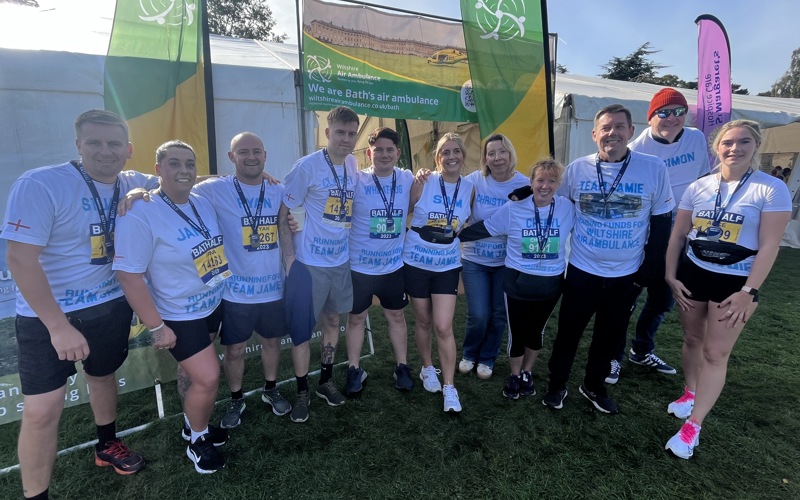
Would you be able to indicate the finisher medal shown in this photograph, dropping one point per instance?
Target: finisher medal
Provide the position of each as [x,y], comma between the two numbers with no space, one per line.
[255,241]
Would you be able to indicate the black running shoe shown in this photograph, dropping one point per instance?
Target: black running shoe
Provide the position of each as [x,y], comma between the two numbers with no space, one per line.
[117,455]
[206,457]
[600,401]
[217,436]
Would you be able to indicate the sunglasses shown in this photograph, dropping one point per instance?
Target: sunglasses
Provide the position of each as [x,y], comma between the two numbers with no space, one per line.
[663,113]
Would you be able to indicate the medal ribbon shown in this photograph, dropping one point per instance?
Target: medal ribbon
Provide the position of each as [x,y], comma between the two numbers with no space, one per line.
[106,222]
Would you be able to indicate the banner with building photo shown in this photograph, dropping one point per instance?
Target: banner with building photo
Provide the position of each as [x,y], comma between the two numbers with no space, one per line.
[384,64]
[510,72]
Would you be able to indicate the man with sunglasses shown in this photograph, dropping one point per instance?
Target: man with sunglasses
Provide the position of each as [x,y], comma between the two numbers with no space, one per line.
[685,153]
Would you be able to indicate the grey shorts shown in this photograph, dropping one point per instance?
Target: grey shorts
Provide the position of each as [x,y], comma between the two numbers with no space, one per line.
[331,289]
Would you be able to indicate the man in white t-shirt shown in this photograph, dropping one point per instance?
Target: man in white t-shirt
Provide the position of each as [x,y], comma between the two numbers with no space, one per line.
[247,210]
[685,154]
[60,224]
[623,204]
[317,257]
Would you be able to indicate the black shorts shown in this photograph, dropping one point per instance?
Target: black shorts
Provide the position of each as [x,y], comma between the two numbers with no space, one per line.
[706,285]
[106,328]
[194,335]
[389,288]
[239,321]
[421,284]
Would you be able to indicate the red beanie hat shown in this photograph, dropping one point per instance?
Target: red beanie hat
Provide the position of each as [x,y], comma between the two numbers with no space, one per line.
[665,97]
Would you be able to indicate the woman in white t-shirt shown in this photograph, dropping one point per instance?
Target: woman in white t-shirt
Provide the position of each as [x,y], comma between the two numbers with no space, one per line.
[537,228]
[734,220]
[432,263]
[482,260]
[171,263]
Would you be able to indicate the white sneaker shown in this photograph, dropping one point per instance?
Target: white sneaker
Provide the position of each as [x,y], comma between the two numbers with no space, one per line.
[430,379]
[466,366]
[484,371]
[684,442]
[682,407]
[451,402]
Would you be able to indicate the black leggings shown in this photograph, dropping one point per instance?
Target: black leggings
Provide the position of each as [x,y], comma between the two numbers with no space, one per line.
[526,322]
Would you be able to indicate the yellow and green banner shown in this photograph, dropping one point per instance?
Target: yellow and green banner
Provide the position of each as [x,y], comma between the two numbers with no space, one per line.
[509,67]
[385,64]
[156,78]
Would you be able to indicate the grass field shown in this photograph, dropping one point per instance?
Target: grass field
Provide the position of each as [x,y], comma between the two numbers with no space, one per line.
[391,445]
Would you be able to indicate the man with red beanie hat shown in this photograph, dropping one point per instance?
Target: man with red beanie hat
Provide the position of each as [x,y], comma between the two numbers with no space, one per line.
[685,153]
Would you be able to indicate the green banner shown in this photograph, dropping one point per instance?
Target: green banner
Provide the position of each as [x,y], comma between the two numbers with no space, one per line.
[507,44]
[155,77]
[384,65]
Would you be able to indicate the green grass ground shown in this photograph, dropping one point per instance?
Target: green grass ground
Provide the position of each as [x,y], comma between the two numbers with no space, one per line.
[391,445]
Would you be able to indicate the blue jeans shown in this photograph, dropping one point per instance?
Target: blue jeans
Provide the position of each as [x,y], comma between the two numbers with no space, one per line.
[659,302]
[486,312]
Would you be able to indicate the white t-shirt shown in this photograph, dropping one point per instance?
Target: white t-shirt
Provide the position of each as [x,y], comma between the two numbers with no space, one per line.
[52,207]
[153,239]
[374,248]
[430,211]
[742,218]
[489,196]
[609,238]
[323,241]
[257,274]
[686,160]
[517,220]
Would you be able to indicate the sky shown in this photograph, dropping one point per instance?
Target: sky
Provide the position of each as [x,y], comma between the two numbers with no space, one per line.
[762,34]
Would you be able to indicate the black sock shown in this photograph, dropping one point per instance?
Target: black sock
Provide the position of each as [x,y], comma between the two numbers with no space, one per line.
[236,394]
[325,372]
[41,496]
[269,384]
[302,383]
[106,433]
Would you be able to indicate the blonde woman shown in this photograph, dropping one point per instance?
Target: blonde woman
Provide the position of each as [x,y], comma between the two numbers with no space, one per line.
[432,258]
[734,220]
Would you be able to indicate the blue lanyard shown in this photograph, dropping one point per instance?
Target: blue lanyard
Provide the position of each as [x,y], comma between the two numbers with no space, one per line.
[719,210]
[449,209]
[546,230]
[201,228]
[342,190]
[390,204]
[616,182]
[106,222]
[253,220]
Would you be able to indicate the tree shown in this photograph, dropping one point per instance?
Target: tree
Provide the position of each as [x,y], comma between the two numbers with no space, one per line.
[243,19]
[789,84]
[561,69]
[635,67]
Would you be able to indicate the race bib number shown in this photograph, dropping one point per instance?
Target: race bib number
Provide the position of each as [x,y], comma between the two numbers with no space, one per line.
[439,219]
[97,238]
[267,233]
[382,227]
[335,214]
[209,259]
[530,245]
[731,225]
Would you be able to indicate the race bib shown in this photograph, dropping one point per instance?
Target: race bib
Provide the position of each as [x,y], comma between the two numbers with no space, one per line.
[209,259]
[97,238]
[335,214]
[382,227]
[530,245]
[267,233]
[439,219]
[730,225]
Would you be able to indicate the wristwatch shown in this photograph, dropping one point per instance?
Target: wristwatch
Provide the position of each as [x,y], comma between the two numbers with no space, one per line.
[752,291]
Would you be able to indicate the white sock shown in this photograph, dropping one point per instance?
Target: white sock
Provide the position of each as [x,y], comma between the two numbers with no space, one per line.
[196,435]
[186,421]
